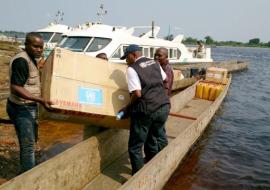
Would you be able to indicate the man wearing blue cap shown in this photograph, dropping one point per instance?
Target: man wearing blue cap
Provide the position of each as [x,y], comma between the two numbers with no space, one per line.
[149,105]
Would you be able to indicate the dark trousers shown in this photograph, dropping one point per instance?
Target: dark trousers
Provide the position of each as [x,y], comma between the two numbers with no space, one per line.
[155,144]
[24,120]
[143,127]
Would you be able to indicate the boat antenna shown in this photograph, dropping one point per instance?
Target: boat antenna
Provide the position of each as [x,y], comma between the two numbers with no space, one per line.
[101,12]
[169,31]
[59,17]
[170,34]
[153,27]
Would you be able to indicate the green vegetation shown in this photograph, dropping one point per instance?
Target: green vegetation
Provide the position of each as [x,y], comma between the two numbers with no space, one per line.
[208,40]
[13,34]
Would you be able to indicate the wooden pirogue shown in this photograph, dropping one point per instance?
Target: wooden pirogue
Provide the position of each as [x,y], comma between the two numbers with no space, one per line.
[88,90]
[101,162]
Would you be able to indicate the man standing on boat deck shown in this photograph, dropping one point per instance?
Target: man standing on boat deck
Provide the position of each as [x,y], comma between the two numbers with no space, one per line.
[24,95]
[149,105]
[161,56]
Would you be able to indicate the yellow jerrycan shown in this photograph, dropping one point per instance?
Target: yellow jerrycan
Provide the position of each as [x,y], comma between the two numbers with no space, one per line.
[199,90]
[218,91]
[206,90]
[212,93]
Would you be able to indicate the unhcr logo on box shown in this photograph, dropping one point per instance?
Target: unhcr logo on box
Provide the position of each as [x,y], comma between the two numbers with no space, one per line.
[92,96]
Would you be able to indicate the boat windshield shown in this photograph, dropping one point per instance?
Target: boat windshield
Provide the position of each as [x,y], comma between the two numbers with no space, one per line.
[98,44]
[75,43]
[46,36]
[56,38]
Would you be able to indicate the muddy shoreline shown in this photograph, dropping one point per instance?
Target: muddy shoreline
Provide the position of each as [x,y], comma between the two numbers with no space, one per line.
[54,137]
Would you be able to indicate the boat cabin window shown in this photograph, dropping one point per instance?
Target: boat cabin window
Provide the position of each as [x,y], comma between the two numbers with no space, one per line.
[98,44]
[56,38]
[75,43]
[152,51]
[174,53]
[63,39]
[117,53]
[170,53]
[178,53]
[46,36]
[124,49]
[120,52]
[146,52]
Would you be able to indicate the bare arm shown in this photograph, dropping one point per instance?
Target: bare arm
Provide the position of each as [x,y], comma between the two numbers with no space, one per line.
[135,95]
[22,92]
[134,88]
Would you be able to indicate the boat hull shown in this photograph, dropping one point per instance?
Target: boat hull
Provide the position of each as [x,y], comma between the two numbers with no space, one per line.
[157,172]
[102,160]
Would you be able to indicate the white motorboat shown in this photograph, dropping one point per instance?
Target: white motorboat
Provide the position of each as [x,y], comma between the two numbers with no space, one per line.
[99,38]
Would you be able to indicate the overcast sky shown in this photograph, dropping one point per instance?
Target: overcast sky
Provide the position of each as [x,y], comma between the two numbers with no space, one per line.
[238,20]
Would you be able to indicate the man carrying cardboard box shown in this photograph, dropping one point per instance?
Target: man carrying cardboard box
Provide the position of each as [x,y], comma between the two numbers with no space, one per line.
[24,95]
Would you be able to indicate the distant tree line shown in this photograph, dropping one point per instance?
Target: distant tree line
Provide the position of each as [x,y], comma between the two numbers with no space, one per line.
[208,40]
[13,34]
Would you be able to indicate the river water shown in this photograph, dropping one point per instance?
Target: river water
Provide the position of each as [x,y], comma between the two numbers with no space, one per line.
[234,152]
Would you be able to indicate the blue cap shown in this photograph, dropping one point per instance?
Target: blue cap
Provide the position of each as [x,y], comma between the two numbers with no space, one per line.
[131,48]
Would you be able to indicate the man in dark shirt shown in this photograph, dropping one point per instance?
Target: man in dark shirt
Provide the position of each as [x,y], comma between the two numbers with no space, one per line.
[24,95]
[20,71]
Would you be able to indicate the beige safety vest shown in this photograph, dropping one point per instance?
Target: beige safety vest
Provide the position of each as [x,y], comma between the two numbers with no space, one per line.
[33,82]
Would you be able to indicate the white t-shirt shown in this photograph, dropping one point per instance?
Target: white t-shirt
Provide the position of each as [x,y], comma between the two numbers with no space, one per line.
[133,80]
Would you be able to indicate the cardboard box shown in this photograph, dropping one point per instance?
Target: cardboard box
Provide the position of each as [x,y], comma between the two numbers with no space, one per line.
[84,89]
[217,75]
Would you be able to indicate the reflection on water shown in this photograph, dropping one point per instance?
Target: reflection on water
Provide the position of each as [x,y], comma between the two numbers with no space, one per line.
[54,137]
[234,152]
